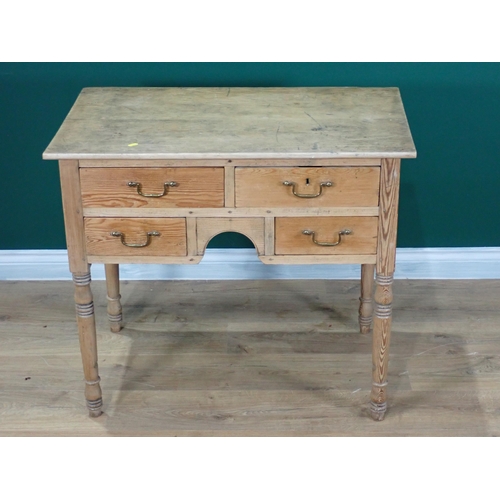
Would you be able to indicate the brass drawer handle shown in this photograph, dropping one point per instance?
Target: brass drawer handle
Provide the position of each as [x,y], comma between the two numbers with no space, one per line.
[120,235]
[299,195]
[324,243]
[138,185]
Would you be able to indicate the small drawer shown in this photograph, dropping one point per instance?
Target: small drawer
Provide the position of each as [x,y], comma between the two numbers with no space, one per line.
[152,187]
[135,237]
[307,187]
[326,235]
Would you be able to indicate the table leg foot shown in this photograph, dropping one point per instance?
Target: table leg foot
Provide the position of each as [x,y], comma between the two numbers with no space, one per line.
[365,327]
[378,410]
[95,407]
[93,397]
[115,322]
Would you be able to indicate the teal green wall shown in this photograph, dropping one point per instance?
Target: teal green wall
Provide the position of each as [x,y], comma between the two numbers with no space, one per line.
[449,195]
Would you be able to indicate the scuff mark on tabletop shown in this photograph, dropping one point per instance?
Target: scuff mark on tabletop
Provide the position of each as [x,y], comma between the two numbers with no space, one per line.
[315,129]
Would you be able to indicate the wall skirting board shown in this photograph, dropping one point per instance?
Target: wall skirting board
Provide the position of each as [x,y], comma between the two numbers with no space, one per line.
[243,264]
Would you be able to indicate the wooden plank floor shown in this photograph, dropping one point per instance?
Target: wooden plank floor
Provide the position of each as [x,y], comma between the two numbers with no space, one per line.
[251,358]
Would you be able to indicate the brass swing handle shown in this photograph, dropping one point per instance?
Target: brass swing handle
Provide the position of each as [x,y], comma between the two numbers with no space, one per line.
[324,243]
[138,185]
[301,195]
[120,235]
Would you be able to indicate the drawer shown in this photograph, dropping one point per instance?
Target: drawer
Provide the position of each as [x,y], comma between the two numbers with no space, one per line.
[291,240]
[265,187]
[194,187]
[130,236]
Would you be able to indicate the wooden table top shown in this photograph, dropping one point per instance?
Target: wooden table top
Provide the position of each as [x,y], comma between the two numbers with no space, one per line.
[232,123]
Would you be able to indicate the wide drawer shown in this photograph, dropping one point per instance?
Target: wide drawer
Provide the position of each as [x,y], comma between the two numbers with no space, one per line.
[136,237]
[326,235]
[152,187]
[307,187]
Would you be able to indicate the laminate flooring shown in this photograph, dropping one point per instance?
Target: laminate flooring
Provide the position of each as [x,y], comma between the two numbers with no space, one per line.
[251,358]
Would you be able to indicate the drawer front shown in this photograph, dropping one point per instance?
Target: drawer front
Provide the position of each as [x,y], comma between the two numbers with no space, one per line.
[265,187]
[291,240]
[194,187]
[129,237]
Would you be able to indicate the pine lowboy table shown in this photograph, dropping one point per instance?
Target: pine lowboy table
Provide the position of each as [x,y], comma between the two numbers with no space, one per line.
[310,175]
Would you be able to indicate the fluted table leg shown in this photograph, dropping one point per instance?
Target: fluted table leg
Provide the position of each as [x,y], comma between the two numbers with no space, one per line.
[113,291]
[88,344]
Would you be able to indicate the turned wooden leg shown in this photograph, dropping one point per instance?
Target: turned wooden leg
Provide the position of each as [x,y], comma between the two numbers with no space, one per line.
[386,262]
[88,343]
[366,299]
[113,290]
[381,342]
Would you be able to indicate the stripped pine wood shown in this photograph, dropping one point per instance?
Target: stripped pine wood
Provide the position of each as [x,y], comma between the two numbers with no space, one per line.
[230,212]
[291,240]
[207,228]
[88,342]
[366,298]
[271,162]
[297,170]
[113,295]
[269,235]
[73,215]
[388,219]
[146,163]
[254,358]
[169,239]
[192,245]
[308,162]
[264,187]
[144,259]
[318,259]
[386,261]
[194,187]
[231,123]
[229,184]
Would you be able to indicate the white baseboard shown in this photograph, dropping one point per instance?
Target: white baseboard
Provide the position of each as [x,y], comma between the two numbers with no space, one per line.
[243,264]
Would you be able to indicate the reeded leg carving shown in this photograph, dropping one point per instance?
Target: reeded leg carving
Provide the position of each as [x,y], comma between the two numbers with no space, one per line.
[366,299]
[88,344]
[113,291]
[381,341]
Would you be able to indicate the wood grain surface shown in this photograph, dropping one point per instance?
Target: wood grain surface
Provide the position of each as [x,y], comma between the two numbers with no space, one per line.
[388,218]
[253,358]
[196,187]
[171,241]
[291,240]
[263,187]
[252,228]
[231,123]
[73,216]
